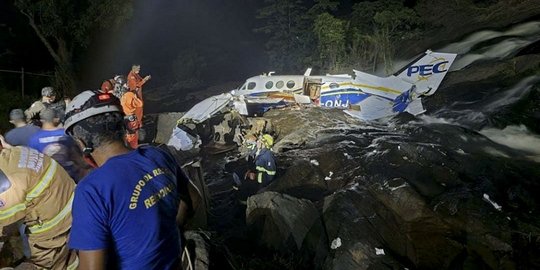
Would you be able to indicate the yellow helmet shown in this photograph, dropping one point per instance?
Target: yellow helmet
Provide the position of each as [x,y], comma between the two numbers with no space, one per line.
[268,140]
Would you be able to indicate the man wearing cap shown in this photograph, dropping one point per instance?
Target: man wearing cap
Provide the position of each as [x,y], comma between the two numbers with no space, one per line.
[34,189]
[22,131]
[48,98]
[53,142]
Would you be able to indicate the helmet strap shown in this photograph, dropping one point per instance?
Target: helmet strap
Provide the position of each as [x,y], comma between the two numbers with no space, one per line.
[87,154]
[90,161]
[87,149]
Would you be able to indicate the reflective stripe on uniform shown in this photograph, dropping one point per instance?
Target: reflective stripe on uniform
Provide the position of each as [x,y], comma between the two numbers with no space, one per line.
[43,182]
[263,169]
[47,225]
[74,265]
[4,214]
[259,177]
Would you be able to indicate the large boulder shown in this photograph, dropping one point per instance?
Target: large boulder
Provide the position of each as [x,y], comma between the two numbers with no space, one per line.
[355,242]
[286,223]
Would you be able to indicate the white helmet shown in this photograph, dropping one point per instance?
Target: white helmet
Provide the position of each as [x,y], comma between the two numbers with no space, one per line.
[88,104]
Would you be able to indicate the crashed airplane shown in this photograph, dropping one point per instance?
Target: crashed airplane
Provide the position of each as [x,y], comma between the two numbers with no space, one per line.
[362,95]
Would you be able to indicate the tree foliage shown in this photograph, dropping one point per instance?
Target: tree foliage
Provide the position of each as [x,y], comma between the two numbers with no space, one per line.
[334,37]
[382,24]
[330,33]
[285,24]
[63,26]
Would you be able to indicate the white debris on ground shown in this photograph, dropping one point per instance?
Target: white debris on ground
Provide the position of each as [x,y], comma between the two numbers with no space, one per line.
[181,140]
[487,199]
[329,177]
[397,187]
[314,162]
[347,155]
[379,251]
[336,243]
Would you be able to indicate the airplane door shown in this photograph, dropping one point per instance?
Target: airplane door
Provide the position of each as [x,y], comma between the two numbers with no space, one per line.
[312,88]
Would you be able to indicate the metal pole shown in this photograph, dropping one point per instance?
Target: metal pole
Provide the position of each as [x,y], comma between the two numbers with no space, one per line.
[22,82]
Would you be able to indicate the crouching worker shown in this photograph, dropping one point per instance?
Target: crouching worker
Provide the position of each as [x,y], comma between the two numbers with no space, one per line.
[126,212]
[265,163]
[36,190]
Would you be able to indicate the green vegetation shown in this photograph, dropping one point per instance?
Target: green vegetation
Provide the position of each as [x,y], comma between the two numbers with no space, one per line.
[335,38]
[289,45]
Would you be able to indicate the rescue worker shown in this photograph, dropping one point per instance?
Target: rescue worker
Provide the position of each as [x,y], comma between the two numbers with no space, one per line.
[265,163]
[22,131]
[53,142]
[36,190]
[107,86]
[120,86]
[130,104]
[48,98]
[126,211]
[135,83]
[116,86]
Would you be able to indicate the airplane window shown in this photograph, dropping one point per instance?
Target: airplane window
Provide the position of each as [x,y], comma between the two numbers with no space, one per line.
[334,85]
[269,84]
[290,84]
[251,85]
[243,87]
[280,84]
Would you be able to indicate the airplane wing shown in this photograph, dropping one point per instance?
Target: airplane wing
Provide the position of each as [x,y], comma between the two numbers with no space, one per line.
[372,108]
[207,108]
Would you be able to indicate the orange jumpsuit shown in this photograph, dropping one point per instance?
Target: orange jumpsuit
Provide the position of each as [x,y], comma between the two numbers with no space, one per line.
[130,103]
[38,191]
[135,83]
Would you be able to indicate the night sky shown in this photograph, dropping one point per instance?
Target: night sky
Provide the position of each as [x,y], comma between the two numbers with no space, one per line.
[157,32]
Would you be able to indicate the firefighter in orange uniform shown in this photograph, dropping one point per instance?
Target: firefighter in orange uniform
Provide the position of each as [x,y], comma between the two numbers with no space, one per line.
[135,83]
[130,104]
[36,190]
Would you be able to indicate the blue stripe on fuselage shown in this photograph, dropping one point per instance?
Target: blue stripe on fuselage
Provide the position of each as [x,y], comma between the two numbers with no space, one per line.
[342,98]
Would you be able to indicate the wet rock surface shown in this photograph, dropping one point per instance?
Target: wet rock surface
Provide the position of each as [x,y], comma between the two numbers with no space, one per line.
[416,190]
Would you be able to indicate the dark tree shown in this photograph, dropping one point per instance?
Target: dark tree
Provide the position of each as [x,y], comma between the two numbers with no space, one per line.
[63,26]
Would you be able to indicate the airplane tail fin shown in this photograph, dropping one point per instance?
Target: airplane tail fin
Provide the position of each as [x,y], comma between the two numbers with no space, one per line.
[427,71]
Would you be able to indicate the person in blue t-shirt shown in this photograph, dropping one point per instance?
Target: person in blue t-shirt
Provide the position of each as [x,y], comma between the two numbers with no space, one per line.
[127,211]
[52,141]
[22,131]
